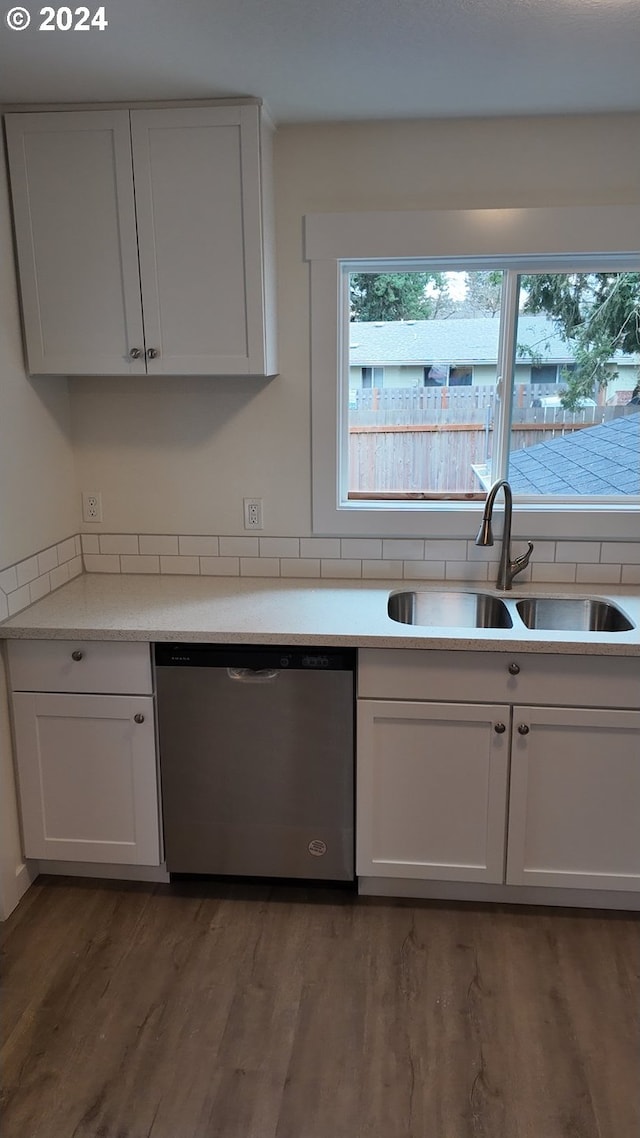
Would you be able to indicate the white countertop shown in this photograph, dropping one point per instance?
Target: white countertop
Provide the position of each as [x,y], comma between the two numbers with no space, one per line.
[249,610]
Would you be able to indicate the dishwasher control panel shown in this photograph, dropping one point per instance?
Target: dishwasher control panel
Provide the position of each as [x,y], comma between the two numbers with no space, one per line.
[254,656]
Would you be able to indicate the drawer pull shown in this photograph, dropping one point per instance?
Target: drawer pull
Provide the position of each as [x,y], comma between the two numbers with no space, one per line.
[77,655]
[523,729]
[499,728]
[514,669]
[139,718]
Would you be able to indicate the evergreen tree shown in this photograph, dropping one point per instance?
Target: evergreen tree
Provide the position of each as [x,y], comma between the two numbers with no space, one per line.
[599,313]
[484,292]
[396,296]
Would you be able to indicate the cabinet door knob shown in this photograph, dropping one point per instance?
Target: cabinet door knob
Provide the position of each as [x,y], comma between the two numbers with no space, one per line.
[523,729]
[135,353]
[514,669]
[499,728]
[77,655]
[139,718]
[153,354]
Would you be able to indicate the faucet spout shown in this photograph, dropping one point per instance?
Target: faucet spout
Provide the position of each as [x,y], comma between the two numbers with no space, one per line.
[507,569]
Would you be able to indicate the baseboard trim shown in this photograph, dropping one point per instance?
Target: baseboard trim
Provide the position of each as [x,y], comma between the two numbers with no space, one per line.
[24,877]
[153,873]
[500,894]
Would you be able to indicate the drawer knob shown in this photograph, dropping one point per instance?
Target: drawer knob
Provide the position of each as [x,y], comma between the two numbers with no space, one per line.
[153,354]
[77,655]
[523,729]
[514,669]
[135,353]
[139,718]
[499,728]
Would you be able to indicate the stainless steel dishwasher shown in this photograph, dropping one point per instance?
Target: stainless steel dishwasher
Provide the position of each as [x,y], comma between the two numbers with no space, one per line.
[257,760]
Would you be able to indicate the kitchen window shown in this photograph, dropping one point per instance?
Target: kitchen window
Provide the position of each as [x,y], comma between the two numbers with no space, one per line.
[443,430]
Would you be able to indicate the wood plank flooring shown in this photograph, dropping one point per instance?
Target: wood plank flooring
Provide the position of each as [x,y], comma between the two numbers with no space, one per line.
[209,1010]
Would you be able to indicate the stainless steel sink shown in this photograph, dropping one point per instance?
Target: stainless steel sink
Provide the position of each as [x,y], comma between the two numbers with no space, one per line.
[449,610]
[572,614]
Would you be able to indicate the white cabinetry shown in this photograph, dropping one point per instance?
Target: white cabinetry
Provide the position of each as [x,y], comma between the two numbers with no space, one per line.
[574,817]
[433,776]
[85,744]
[145,240]
[432,790]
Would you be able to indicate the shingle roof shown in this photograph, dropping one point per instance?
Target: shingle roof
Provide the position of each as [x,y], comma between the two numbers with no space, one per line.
[474,340]
[596,460]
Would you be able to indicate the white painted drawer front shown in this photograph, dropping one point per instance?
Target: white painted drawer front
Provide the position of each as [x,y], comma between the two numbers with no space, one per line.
[487,677]
[80,666]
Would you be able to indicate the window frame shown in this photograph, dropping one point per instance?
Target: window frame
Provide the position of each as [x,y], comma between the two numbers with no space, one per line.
[580,239]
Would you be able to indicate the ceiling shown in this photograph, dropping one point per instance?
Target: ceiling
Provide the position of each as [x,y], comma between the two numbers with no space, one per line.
[316,60]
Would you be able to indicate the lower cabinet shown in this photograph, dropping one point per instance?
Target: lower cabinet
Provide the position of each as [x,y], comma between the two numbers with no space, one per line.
[432,790]
[574,815]
[87,772]
[513,793]
[85,750]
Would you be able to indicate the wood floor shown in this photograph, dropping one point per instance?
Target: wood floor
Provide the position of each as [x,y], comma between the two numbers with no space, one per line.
[208,1010]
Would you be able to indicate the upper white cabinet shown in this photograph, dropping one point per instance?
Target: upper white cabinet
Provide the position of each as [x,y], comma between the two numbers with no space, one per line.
[145,240]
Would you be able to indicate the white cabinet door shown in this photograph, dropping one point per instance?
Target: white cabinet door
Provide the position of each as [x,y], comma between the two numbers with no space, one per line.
[75,227]
[432,790]
[178,280]
[87,777]
[198,182]
[574,817]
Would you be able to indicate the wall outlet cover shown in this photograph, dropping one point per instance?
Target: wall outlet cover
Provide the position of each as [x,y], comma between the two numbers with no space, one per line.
[253,517]
[92,507]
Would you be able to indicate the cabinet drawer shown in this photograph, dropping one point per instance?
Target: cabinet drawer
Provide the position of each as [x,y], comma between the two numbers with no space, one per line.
[80,666]
[479,677]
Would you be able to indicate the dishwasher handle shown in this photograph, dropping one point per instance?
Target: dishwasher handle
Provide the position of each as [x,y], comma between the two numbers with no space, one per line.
[253,675]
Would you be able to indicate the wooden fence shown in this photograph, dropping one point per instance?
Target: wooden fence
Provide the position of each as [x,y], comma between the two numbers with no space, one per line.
[426,439]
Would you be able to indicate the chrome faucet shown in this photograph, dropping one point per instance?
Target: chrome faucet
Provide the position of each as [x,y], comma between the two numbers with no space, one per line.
[507,569]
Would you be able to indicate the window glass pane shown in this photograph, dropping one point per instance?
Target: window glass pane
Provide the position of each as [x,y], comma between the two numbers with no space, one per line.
[424,421]
[576,395]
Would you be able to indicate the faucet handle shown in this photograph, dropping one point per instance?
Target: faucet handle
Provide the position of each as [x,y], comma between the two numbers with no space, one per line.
[521,562]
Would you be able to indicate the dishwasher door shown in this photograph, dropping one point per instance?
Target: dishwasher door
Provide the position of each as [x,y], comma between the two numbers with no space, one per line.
[257,761]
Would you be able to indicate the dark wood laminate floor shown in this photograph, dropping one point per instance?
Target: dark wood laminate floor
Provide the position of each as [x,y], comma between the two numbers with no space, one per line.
[207,1010]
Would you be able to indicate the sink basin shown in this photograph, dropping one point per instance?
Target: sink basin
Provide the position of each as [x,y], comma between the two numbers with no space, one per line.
[572,614]
[449,610]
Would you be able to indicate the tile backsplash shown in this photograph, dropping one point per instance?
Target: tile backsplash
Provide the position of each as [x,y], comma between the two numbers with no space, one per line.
[409,559]
[32,578]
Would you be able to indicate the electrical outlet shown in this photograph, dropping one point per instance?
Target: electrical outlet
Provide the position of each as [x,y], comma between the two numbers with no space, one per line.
[92,507]
[253,513]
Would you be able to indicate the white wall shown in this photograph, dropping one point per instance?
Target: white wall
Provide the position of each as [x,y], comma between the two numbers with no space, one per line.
[178,456]
[38,503]
[38,491]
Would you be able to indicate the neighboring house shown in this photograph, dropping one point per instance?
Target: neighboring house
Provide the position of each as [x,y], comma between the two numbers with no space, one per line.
[597,460]
[463,352]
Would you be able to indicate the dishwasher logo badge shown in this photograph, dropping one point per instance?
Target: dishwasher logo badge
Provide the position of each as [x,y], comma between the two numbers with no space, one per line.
[317,847]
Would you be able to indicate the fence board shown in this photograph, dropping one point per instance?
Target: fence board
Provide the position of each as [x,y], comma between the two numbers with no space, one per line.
[427,439]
